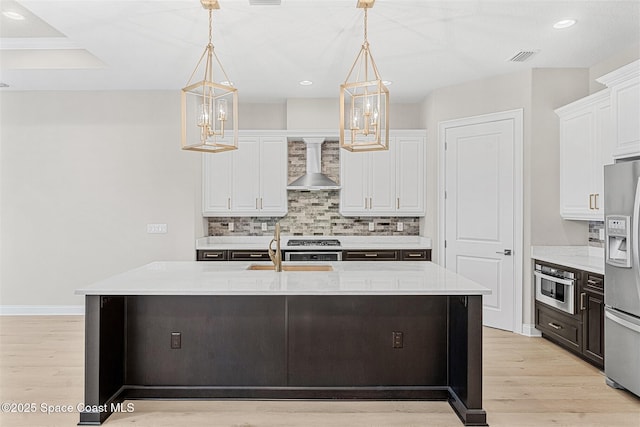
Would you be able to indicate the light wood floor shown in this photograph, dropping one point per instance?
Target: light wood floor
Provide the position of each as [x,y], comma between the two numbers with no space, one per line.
[527,382]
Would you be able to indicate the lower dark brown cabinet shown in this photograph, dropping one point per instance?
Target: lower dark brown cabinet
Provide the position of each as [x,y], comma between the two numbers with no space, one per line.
[582,332]
[592,307]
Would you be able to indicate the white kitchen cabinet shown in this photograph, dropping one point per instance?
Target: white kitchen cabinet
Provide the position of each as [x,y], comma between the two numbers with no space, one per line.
[384,183]
[624,84]
[410,175]
[249,181]
[586,145]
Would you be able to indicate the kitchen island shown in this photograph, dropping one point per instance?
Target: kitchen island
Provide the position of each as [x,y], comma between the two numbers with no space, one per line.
[363,330]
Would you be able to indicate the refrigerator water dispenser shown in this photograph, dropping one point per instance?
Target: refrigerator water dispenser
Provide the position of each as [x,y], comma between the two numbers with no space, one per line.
[618,244]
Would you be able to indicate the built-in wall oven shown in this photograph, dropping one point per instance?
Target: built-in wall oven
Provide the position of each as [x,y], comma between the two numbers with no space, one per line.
[319,253]
[555,287]
[313,256]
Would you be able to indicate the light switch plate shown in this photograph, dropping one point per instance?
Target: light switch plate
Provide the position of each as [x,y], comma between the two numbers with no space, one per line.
[400,226]
[372,226]
[231,226]
[156,228]
[264,226]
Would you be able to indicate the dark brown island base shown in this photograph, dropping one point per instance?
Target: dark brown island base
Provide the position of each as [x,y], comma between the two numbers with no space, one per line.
[377,331]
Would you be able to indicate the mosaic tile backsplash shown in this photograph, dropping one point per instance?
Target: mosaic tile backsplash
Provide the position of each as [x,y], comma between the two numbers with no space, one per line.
[314,213]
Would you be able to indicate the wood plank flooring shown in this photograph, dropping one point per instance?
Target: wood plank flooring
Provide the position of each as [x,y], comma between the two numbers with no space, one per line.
[527,382]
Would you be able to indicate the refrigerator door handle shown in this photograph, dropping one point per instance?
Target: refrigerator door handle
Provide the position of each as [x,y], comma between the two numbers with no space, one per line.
[622,322]
[634,229]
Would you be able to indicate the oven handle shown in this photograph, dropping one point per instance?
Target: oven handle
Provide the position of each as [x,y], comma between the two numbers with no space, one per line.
[566,282]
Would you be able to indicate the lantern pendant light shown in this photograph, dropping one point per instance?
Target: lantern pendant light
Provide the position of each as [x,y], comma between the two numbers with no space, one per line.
[364,101]
[209,106]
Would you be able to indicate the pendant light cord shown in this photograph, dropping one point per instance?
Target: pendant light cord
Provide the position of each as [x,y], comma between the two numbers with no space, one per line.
[210,25]
[365,25]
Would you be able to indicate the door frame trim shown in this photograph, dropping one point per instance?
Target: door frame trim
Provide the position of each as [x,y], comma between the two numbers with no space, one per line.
[518,197]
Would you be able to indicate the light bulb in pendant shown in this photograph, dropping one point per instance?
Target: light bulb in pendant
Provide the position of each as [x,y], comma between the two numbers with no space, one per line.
[222,110]
[355,119]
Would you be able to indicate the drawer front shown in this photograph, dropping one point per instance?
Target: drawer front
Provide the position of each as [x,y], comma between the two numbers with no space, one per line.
[369,255]
[248,255]
[564,330]
[594,282]
[415,255]
[212,255]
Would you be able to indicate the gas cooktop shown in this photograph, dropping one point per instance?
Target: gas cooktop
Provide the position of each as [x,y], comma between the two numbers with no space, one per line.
[313,242]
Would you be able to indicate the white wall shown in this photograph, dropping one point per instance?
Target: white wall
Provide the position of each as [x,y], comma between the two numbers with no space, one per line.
[324,113]
[615,61]
[83,173]
[538,93]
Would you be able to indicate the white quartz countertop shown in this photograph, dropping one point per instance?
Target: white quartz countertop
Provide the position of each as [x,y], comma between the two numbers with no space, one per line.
[585,258]
[346,242]
[233,278]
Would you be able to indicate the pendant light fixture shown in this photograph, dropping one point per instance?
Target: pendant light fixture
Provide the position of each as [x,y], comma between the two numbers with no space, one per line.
[364,101]
[209,106]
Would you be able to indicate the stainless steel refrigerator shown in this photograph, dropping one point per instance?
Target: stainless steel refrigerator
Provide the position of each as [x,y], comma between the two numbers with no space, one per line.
[622,275]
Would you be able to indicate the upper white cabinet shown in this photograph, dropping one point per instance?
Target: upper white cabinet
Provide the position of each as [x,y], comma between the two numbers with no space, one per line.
[249,181]
[385,183]
[624,84]
[586,145]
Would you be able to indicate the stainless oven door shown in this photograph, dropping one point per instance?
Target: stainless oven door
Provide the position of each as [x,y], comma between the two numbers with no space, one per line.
[556,292]
[313,256]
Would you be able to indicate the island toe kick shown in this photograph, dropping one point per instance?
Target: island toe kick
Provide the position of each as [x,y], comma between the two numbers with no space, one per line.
[382,347]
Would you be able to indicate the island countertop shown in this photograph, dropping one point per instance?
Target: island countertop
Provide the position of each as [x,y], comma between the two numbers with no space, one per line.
[233,278]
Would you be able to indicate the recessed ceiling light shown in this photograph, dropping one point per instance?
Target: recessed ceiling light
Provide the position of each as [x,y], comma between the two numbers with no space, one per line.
[305,82]
[565,23]
[13,15]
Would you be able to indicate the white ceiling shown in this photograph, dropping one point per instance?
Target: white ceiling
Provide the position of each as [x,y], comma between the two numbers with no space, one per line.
[419,45]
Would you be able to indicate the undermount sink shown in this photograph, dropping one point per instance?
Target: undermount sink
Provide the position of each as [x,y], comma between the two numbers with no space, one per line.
[319,267]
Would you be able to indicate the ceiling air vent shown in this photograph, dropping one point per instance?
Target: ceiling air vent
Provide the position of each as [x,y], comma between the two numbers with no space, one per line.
[523,55]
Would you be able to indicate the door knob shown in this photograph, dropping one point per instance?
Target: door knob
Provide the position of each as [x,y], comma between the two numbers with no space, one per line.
[505,252]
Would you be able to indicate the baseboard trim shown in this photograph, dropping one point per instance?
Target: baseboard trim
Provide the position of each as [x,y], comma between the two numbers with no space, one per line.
[529,330]
[41,310]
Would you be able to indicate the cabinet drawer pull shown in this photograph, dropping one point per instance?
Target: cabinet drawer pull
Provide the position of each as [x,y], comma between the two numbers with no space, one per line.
[228,202]
[582,304]
[371,255]
[260,202]
[216,255]
[255,255]
[591,201]
[415,255]
[554,326]
[398,203]
[593,282]
[595,203]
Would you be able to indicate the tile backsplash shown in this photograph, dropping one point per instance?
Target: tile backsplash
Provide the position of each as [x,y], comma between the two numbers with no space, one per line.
[594,234]
[314,213]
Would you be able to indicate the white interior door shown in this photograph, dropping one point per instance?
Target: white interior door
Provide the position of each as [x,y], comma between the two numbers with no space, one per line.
[479,212]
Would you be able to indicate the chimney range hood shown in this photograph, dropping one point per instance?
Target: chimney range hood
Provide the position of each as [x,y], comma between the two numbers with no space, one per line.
[313,179]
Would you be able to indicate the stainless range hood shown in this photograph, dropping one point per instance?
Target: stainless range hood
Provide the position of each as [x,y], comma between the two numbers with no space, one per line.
[314,179]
